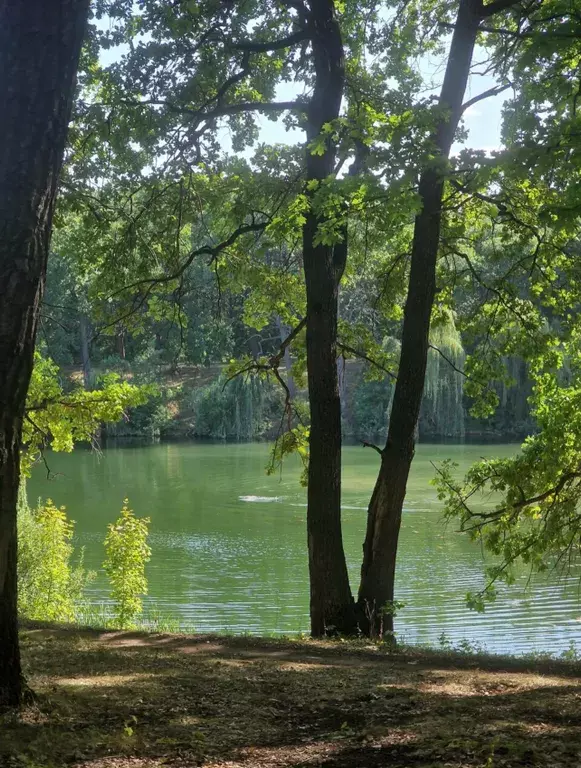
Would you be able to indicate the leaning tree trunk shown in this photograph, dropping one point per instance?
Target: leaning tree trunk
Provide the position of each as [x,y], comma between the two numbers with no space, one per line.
[331,605]
[40,42]
[376,591]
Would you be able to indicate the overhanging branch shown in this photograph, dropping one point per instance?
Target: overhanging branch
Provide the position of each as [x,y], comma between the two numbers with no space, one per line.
[496,7]
[274,45]
[363,356]
[485,95]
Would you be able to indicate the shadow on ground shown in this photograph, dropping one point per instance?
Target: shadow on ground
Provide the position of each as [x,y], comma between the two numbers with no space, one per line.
[120,700]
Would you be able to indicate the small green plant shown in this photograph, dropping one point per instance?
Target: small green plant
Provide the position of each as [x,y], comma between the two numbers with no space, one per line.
[572,652]
[470,647]
[50,585]
[392,607]
[127,553]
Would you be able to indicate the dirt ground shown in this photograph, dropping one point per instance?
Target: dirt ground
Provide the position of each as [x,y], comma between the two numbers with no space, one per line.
[131,700]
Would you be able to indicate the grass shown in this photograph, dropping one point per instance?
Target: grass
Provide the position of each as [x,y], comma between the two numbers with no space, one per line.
[138,700]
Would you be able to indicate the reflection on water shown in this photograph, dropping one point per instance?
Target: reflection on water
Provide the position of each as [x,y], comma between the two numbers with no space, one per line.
[229,543]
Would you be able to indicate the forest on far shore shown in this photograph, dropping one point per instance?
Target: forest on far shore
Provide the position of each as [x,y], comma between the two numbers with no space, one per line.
[188,363]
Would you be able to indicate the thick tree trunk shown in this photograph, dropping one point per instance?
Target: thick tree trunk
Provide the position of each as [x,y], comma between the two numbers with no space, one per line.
[332,608]
[40,42]
[376,592]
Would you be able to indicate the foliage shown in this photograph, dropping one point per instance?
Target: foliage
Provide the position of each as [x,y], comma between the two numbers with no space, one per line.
[50,586]
[534,512]
[241,409]
[58,419]
[127,552]
[291,441]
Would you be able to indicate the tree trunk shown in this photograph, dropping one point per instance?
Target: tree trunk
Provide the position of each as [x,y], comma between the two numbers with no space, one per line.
[283,332]
[120,342]
[84,329]
[342,378]
[40,42]
[376,592]
[332,608]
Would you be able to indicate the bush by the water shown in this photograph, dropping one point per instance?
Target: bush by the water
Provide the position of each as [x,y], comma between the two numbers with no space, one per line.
[51,583]
[127,553]
[52,577]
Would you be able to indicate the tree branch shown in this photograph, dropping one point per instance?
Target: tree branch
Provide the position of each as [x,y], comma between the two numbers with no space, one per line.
[275,359]
[205,250]
[496,7]
[366,444]
[274,45]
[363,356]
[484,95]
[299,7]
[151,282]
[252,106]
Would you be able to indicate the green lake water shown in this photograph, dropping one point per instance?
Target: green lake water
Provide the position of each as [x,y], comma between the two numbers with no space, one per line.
[229,543]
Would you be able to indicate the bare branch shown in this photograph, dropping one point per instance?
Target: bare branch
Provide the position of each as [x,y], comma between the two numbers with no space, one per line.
[273,362]
[363,356]
[454,367]
[274,45]
[253,106]
[221,111]
[485,95]
[366,444]
[149,283]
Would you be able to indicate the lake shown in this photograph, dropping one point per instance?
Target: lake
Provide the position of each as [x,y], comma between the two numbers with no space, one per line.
[229,543]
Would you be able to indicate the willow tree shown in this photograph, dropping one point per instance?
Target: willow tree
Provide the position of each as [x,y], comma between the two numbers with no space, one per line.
[40,44]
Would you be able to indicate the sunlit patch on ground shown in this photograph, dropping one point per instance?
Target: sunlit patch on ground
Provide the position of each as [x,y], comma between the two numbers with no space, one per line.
[130,700]
[101,681]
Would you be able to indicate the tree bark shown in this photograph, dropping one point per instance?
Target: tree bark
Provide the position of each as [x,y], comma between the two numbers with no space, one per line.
[40,42]
[331,601]
[376,591]
[84,331]
[283,332]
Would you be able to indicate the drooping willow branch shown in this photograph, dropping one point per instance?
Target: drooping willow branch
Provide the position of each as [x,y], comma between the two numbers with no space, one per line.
[271,366]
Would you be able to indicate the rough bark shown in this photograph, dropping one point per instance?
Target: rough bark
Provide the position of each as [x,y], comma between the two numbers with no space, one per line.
[84,332]
[40,42]
[385,508]
[331,602]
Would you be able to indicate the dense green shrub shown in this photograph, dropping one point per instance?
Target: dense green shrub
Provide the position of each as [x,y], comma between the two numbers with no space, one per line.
[127,553]
[50,585]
